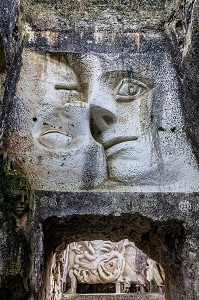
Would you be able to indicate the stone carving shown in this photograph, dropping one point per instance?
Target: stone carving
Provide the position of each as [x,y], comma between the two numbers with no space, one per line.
[48,134]
[58,273]
[107,262]
[138,119]
[89,120]
[155,273]
[95,262]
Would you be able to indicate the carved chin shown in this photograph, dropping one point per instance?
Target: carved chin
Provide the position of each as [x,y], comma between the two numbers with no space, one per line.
[131,162]
[136,172]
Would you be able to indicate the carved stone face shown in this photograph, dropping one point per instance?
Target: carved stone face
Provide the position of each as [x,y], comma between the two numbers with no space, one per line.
[21,204]
[121,106]
[49,135]
[77,116]
[137,117]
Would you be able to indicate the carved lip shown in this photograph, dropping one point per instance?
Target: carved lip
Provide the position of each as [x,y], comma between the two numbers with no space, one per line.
[119,140]
[53,131]
[126,149]
[21,207]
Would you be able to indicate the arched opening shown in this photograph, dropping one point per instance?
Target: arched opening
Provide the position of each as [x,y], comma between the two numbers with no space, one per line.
[153,242]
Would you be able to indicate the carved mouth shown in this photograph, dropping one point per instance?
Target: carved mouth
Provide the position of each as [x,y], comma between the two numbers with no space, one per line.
[119,140]
[55,139]
[19,208]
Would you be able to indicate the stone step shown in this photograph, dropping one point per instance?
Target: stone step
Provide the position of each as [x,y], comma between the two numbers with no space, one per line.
[133,296]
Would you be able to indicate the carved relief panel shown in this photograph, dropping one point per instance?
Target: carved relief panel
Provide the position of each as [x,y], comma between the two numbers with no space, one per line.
[104,262]
[82,121]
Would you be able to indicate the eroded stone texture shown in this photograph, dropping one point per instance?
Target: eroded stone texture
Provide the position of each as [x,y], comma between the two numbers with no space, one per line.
[15,208]
[48,132]
[115,297]
[131,101]
[2,73]
[165,237]
[100,15]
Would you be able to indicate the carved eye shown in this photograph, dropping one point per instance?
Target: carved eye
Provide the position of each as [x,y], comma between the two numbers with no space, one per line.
[70,92]
[129,90]
[55,139]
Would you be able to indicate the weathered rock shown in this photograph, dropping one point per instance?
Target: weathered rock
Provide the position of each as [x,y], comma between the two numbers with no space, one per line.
[114,297]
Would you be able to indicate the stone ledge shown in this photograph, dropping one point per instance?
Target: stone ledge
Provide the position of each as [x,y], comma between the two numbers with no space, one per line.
[134,296]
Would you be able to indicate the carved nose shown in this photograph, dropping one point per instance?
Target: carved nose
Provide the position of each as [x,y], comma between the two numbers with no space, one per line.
[103,117]
[102,104]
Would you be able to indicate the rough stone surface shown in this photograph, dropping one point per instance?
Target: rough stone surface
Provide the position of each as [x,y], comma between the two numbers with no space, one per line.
[131,102]
[156,223]
[115,297]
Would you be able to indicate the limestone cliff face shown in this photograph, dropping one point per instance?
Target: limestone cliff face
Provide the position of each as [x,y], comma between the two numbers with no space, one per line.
[99,135]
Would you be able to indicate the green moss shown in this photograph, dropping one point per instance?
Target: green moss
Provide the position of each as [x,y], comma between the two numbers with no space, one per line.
[12,183]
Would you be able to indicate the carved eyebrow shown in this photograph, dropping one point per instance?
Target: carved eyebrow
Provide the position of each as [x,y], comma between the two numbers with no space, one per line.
[119,74]
[116,73]
[67,86]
